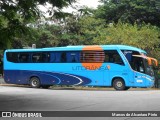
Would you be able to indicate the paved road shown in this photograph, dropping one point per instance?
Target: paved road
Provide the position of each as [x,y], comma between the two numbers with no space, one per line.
[29,99]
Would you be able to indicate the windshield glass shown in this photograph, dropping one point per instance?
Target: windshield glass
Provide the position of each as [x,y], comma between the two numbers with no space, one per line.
[139,64]
[149,68]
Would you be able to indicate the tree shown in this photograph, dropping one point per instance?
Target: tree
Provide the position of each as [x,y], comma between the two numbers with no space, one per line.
[131,11]
[91,28]
[16,14]
[145,37]
[139,24]
[47,36]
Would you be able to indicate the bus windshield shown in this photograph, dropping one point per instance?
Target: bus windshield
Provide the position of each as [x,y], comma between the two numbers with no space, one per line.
[137,64]
[149,68]
[142,64]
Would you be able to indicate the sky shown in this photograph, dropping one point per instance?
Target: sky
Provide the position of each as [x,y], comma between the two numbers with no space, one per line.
[89,3]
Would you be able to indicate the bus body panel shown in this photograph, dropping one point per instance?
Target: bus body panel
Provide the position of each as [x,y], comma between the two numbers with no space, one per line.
[75,73]
[143,80]
[46,78]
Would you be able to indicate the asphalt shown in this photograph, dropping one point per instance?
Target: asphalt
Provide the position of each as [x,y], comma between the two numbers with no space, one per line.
[29,99]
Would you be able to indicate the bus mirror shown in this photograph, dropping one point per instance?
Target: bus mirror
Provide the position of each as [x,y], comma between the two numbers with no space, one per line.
[152,62]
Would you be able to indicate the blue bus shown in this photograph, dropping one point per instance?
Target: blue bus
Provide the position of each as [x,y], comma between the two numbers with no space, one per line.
[117,66]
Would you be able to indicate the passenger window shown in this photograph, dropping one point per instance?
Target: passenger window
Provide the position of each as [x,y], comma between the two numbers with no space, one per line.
[63,57]
[73,57]
[40,57]
[52,57]
[24,58]
[12,57]
[106,58]
[92,56]
[113,56]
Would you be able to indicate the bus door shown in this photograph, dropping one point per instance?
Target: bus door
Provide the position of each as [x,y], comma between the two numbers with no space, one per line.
[139,71]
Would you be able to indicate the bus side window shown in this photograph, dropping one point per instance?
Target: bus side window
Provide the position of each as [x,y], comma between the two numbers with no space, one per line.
[106,59]
[72,57]
[35,57]
[63,57]
[92,56]
[12,57]
[112,56]
[24,57]
[40,57]
[45,57]
[57,57]
[52,57]
[117,59]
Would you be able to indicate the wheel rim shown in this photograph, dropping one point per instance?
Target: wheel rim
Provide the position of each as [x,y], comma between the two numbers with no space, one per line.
[119,84]
[34,82]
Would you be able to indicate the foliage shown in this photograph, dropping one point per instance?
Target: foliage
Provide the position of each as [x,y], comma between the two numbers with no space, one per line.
[91,28]
[62,34]
[78,29]
[139,24]
[146,36]
[16,14]
[130,11]
[130,22]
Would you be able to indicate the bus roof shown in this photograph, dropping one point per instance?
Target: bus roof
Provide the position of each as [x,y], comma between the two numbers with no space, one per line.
[80,47]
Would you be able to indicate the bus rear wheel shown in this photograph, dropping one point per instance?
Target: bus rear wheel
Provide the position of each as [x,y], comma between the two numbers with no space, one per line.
[35,82]
[119,84]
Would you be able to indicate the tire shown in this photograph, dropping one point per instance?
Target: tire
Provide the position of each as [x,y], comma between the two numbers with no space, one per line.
[119,84]
[35,82]
[45,86]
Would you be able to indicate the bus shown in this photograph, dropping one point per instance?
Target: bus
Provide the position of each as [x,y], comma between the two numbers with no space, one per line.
[118,66]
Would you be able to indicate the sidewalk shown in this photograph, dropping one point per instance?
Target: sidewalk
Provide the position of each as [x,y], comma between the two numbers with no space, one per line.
[2,80]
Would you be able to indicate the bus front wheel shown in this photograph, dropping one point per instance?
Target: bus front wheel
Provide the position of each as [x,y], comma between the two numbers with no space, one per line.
[119,84]
[35,82]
